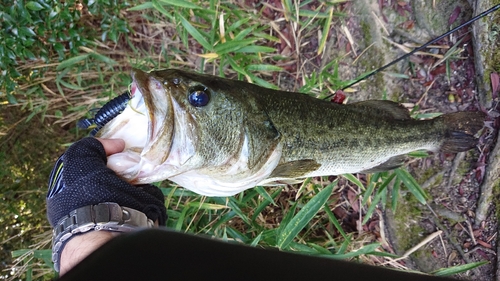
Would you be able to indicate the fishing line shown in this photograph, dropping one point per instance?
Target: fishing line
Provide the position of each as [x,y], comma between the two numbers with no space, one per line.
[133,108]
[494,8]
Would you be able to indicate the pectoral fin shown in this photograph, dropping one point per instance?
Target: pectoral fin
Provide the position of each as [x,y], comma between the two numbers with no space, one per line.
[295,169]
[263,138]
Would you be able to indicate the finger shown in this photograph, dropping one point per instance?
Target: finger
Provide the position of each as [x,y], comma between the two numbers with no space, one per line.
[112,146]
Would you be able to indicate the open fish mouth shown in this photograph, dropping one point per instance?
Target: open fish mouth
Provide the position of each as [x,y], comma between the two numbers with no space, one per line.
[147,127]
[133,126]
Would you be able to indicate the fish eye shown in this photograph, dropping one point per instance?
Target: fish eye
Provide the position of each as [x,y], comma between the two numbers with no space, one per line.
[199,96]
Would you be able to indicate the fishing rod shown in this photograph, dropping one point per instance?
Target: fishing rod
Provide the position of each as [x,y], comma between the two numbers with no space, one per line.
[369,74]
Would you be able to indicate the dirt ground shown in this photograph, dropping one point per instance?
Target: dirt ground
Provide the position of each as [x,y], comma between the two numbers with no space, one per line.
[461,213]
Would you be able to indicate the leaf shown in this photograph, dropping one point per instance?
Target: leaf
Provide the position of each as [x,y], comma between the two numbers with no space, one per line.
[419,153]
[71,61]
[195,33]
[180,3]
[11,99]
[427,115]
[336,223]
[261,82]
[326,30]
[26,31]
[255,49]
[395,194]
[263,67]
[34,6]
[104,59]
[368,249]
[160,9]
[495,82]
[459,268]
[69,85]
[354,180]
[143,6]
[264,204]
[411,184]
[207,206]
[232,46]
[256,240]
[208,55]
[262,191]
[304,216]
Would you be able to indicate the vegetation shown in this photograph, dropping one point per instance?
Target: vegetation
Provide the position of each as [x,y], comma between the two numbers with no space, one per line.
[60,60]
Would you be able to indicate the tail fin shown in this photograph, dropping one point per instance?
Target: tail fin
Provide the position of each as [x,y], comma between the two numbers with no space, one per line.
[461,128]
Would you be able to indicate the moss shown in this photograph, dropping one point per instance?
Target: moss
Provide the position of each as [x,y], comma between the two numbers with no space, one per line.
[365,28]
[489,36]
[496,194]
[407,231]
[429,173]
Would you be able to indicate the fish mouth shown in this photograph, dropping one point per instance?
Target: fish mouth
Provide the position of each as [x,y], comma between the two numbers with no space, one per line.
[158,110]
[160,136]
[139,125]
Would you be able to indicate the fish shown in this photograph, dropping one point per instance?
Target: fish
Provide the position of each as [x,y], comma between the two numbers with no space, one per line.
[218,137]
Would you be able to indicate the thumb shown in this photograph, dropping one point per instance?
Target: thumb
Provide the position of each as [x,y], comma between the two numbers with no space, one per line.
[112,146]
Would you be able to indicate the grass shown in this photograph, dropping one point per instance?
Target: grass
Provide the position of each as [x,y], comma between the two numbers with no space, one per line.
[77,70]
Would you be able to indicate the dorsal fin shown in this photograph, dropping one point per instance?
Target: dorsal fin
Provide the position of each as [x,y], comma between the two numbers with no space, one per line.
[385,109]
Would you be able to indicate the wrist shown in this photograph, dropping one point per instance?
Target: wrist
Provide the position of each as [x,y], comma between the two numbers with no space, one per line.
[80,246]
[103,216]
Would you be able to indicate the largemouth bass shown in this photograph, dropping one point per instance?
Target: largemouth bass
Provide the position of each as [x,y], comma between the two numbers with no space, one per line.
[218,137]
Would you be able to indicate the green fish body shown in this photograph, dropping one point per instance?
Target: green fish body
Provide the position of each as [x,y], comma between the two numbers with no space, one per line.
[218,137]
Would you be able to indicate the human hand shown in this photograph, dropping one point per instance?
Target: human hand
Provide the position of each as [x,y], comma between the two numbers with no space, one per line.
[81,180]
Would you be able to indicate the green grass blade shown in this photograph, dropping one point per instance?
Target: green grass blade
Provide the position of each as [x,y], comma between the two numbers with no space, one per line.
[256,240]
[263,67]
[367,249]
[354,180]
[161,9]
[231,46]
[326,30]
[105,59]
[304,216]
[195,33]
[264,204]
[412,185]
[459,268]
[256,49]
[180,3]
[262,191]
[261,82]
[372,207]
[207,206]
[368,192]
[45,255]
[395,194]
[236,208]
[143,6]
[343,246]
[71,61]
[336,223]
[387,180]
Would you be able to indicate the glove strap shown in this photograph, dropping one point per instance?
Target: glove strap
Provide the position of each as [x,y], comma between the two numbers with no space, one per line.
[103,216]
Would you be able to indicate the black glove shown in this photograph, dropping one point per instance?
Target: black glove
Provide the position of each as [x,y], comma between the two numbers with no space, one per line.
[81,178]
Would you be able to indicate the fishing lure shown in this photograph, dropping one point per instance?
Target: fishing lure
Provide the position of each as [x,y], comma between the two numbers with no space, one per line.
[109,111]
